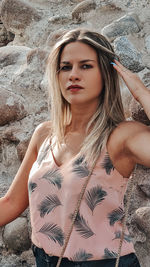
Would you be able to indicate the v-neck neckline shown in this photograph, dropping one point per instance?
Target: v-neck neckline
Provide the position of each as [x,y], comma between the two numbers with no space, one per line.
[61,165]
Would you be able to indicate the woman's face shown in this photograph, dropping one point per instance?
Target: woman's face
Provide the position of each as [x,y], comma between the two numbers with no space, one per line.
[80,77]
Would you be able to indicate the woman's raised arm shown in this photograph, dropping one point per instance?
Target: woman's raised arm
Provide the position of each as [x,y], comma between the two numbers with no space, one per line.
[132,139]
[139,91]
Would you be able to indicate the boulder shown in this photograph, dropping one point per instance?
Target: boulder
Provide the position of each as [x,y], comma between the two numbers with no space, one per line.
[10,134]
[17,132]
[37,57]
[128,54]
[146,77]
[22,148]
[5,36]
[12,107]
[52,38]
[11,55]
[83,7]
[123,26]
[142,218]
[137,112]
[22,72]
[28,258]
[16,15]
[45,2]
[59,19]
[147,43]
[16,235]
[137,218]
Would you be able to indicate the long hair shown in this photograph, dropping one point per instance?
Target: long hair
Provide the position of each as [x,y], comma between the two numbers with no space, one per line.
[110,109]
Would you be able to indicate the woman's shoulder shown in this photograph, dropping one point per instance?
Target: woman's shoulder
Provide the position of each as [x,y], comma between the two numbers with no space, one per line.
[124,143]
[125,130]
[42,131]
[44,127]
[121,135]
[117,149]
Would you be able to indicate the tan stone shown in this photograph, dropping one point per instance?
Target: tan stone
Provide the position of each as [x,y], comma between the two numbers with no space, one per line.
[39,56]
[10,134]
[142,218]
[137,112]
[21,149]
[123,26]
[16,235]
[12,107]
[5,36]
[17,15]
[11,55]
[51,40]
[59,19]
[146,79]
[84,6]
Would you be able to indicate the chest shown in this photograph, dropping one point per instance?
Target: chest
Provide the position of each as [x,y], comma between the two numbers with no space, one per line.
[67,150]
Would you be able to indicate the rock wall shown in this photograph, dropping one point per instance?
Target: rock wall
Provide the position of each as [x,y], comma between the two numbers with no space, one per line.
[28,29]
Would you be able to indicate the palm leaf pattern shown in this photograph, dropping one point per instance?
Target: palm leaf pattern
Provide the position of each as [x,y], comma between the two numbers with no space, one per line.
[82,255]
[107,164]
[54,177]
[78,161]
[94,197]
[42,154]
[127,238]
[109,254]
[32,187]
[53,232]
[48,204]
[82,226]
[116,215]
[80,168]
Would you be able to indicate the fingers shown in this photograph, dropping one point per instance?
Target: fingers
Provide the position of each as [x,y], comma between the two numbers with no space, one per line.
[121,69]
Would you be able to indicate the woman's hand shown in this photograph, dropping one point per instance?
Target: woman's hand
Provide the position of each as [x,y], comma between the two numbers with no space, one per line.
[133,82]
[140,92]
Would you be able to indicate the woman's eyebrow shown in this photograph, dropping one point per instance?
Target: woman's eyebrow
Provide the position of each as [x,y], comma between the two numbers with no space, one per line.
[82,61]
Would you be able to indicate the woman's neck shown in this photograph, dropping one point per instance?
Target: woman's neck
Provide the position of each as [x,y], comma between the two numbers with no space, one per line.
[80,118]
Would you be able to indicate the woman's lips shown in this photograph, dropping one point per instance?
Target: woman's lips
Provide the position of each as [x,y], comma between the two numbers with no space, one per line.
[74,88]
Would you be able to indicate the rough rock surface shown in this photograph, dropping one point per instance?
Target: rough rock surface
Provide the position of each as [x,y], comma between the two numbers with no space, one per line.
[125,25]
[5,36]
[28,29]
[147,43]
[128,54]
[16,235]
[137,112]
[83,7]
[12,107]
[16,15]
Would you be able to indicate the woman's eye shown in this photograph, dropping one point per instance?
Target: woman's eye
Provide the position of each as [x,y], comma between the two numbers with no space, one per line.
[87,66]
[65,68]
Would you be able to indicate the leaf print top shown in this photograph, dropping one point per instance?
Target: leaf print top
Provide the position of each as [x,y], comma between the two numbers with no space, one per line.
[53,194]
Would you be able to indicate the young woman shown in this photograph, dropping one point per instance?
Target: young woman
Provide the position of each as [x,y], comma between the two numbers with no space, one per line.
[77,166]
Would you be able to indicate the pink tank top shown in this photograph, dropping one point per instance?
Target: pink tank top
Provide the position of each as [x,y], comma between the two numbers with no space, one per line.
[53,194]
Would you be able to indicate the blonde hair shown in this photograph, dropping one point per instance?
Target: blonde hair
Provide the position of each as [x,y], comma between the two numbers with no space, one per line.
[110,110]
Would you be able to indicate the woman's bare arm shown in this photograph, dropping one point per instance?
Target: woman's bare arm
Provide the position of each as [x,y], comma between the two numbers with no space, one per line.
[137,144]
[16,199]
[129,143]
[139,91]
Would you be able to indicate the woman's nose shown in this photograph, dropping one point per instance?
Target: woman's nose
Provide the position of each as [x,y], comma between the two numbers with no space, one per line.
[74,74]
